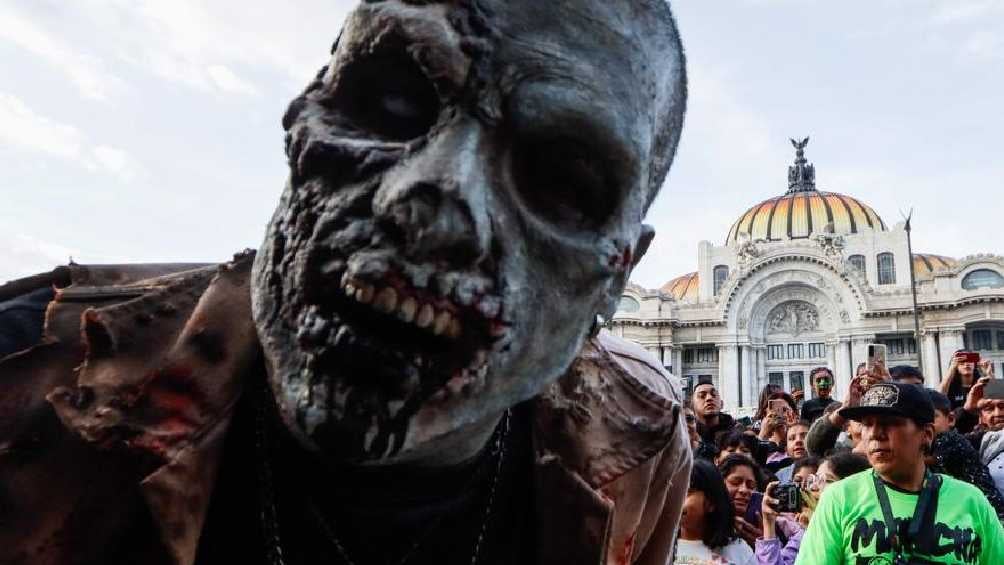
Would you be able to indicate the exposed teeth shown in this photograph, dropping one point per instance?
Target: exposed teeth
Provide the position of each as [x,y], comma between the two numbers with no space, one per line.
[442,323]
[365,294]
[386,300]
[425,316]
[454,330]
[406,312]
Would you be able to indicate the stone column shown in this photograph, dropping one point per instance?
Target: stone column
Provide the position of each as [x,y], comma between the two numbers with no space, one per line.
[932,363]
[950,340]
[750,390]
[678,361]
[761,372]
[842,367]
[728,376]
[831,362]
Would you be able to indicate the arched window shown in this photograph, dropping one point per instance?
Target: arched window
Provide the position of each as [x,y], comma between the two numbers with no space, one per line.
[721,274]
[886,268]
[983,278]
[628,304]
[858,262]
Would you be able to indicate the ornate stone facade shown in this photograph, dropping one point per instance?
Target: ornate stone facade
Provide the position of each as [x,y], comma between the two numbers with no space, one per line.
[769,309]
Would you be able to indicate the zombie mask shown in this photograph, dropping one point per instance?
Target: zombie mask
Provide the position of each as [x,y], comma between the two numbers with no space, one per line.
[467,185]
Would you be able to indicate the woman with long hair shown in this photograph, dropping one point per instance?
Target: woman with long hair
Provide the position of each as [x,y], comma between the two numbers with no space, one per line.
[742,478]
[707,532]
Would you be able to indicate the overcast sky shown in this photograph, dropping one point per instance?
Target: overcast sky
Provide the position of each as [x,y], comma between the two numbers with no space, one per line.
[134,130]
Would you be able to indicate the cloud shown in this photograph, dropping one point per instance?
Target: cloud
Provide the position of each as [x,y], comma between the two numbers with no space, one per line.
[86,72]
[984,44]
[25,129]
[22,255]
[953,11]
[226,80]
[209,46]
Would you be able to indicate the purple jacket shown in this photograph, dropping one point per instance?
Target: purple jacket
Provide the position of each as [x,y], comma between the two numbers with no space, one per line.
[770,552]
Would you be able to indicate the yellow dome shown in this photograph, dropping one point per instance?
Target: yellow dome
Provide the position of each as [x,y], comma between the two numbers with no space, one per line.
[804,213]
[803,210]
[683,288]
[925,265]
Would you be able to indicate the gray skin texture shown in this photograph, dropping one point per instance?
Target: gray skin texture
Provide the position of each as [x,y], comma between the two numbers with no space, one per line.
[492,160]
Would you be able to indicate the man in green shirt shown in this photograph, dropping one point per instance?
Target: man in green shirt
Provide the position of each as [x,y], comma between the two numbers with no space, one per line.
[936,518]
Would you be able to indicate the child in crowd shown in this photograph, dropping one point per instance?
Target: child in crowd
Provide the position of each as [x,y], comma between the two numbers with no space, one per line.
[770,550]
[707,531]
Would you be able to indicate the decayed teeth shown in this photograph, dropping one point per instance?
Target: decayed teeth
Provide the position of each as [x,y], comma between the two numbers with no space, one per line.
[406,312]
[442,323]
[406,308]
[454,329]
[425,316]
[365,294]
[386,300]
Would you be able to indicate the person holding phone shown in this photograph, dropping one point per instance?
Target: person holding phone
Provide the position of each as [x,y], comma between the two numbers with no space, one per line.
[962,374]
[744,481]
[769,549]
[825,431]
[707,529]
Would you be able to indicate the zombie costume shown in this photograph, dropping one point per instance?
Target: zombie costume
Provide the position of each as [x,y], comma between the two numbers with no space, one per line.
[150,391]
[467,186]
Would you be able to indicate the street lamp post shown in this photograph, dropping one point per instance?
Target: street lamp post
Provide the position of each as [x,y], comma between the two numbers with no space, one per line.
[913,292]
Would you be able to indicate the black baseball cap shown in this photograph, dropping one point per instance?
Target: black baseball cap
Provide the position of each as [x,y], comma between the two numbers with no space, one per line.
[893,399]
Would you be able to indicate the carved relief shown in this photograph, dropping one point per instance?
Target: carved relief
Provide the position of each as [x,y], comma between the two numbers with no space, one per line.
[747,252]
[832,245]
[845,317]
[794,317]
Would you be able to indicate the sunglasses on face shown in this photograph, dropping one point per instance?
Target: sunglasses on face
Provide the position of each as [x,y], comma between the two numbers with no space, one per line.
[690,418]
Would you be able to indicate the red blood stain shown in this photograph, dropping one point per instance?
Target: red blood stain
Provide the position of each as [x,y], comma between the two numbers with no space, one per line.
[621,261]
[625,557]
[173,403]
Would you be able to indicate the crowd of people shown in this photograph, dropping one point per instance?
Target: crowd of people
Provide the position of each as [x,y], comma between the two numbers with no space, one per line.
[891,472]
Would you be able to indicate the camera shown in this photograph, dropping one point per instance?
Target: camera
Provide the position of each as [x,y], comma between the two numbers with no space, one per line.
[789,498]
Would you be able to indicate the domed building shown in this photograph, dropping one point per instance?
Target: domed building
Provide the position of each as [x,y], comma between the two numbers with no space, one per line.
[810,278]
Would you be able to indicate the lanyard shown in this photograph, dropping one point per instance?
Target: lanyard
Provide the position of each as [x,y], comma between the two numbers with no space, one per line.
[926,504]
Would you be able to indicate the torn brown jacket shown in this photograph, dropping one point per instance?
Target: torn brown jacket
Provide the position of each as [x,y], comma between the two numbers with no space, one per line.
[112,427]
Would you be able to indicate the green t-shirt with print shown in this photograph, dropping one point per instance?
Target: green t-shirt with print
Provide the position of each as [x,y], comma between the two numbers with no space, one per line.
[848,527]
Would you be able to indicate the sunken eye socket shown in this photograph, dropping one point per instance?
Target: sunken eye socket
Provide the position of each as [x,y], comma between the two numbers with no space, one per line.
[387,96]
[563,183]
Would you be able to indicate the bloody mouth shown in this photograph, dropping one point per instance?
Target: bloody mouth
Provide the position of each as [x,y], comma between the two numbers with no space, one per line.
[383,326]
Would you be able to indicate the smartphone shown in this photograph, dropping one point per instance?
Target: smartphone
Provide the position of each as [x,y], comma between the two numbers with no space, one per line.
[969,357]
[778,406]
[876,355]
[754,510]
[994,389]
[789,497]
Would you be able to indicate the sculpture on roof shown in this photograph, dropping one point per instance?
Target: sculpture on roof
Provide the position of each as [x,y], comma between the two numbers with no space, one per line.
[801,175]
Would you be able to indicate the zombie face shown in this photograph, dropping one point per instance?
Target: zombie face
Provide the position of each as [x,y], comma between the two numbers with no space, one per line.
[467,185]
